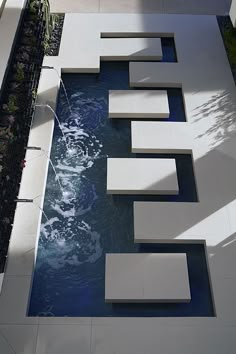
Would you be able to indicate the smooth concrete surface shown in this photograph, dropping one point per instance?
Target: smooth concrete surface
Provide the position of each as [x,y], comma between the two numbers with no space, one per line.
[141,176]
[178,222]
[1,281]
[232,12]
[147,277]
[209,98]
[138,104]
[2,4]
[209,7]
[131,49]
[150,137]
[9,20]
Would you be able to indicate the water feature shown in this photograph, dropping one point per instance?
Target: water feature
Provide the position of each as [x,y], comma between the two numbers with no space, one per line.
[88,223]
[54,170]
[62,84]
[67,143]
[44,214]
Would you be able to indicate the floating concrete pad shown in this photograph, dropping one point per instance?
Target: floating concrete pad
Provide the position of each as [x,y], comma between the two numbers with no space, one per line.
[161,137]
[141,176]
[155,75]
[138,104]
[131,49]
[147,277]
[178,222]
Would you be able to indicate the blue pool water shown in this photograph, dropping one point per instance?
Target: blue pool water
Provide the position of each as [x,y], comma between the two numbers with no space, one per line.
[85,223]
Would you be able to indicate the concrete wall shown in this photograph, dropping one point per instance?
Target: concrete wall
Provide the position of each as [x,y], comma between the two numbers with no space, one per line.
[2,4]
[232,12]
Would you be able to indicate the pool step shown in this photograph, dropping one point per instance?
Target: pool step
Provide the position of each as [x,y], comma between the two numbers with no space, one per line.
[147,277]
[131,49]
[161,137]
[141,176]
[138,104]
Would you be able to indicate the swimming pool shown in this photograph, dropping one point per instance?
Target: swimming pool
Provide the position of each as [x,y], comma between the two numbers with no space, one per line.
[85,222]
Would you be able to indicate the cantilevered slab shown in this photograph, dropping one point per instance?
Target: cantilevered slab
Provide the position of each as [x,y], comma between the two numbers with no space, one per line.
[161,137]
[147,277]
[131,49]
[155,75]
[138,104]
[179,222]
[141,176]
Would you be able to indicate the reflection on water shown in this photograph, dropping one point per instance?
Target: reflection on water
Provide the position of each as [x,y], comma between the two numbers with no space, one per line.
[84,223]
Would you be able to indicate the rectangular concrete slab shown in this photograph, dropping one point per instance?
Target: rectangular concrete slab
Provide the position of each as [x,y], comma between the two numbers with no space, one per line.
[131,49]
[161,137]
[141,176]
[179,222]
[138,104]
[147,277]
[155,74]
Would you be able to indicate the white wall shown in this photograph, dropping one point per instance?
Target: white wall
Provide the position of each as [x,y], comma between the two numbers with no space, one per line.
[2,3]
[232,12]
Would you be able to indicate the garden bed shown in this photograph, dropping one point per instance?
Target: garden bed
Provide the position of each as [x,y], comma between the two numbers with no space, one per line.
[228,33]
[17,105]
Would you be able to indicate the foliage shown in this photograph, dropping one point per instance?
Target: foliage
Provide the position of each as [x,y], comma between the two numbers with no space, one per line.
[229,36]
[20,73]
[11,105]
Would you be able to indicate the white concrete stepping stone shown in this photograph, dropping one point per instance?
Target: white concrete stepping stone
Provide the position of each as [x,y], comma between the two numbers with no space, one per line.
[161,137]
[131,49]
[179,222]
[147,277]
[156,75]
[138,104]
[141,176]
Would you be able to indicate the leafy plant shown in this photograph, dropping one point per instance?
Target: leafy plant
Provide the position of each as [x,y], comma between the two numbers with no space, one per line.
[34,6]
[6,134]
[34,94]
[23,57]
[230,44]
[20,72]
[11,105]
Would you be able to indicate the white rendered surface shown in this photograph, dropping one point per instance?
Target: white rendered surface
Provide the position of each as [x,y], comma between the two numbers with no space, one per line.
[151,137]
[146,277]
[9,20]
[138,104]
[141,176]
[216,7]
[232,12]
[131,49]
[1,281]
[2,3]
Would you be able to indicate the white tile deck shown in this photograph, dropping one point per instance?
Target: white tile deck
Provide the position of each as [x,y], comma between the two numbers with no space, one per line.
[141,176]
[209,96]
[147,277]
[138,104]
[210,7]
[150,137]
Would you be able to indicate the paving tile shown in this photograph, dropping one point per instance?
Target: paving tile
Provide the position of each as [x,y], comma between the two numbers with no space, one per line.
[61,339]
[21,254]
[18,339]
[139,339]
[135,6]
[14,300]
[74,6]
